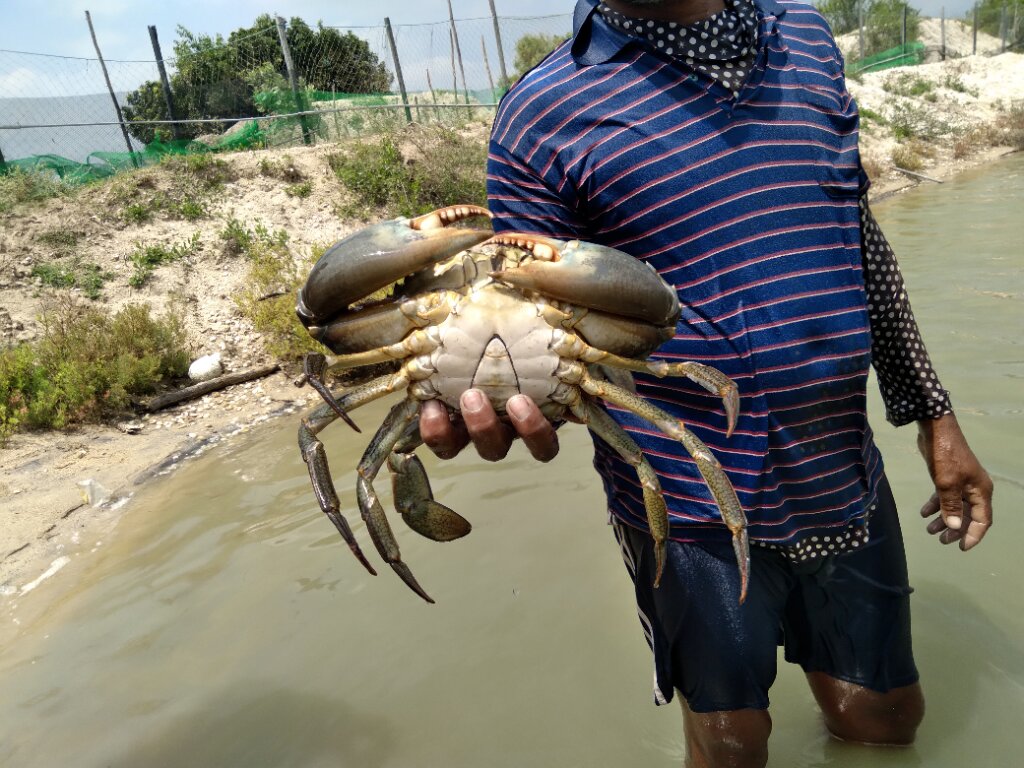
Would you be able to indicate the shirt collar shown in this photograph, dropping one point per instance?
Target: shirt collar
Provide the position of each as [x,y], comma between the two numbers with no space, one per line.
[595,41]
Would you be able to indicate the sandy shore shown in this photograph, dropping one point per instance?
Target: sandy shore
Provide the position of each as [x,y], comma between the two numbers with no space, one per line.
[42,505]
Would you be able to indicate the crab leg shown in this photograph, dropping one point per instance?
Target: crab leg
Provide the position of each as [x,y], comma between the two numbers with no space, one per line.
[390,432]
[708,466]
[713,380]
[605,427]
[315,456]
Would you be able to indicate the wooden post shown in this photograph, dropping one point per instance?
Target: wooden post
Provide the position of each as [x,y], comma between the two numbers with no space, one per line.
[293,79]
[487,66]
[458,52]
[942,31]
[110,88]
[164,82]
[455,79]
[903,35]
[860,28]
[501,51]
[974,42]
[433,97]
[398,68]
[1002,29]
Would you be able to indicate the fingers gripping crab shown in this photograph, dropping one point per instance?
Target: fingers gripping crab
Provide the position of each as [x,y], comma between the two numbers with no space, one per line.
[506,314]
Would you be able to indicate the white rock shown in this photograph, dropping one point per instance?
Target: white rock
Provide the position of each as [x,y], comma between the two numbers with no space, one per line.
[205,368]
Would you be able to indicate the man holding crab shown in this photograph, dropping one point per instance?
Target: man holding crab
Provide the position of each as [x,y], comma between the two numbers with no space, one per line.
[716,141]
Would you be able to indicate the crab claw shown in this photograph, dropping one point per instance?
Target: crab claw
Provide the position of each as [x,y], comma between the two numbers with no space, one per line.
[593,276]
[380,255]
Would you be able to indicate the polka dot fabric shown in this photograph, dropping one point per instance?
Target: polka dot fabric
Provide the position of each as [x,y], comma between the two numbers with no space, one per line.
[723,47]
[910,387]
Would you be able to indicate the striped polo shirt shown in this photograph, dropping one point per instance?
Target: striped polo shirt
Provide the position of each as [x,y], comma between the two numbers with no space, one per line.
[748,206]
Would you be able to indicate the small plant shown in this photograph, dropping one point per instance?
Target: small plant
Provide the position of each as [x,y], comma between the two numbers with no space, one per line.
[954,82]
[54,275]
[59,239]
[239,240]
[136,213]
[283,168]
[146,258]
[268,298]
[914,122]
[19,186]
[302,190]
[904,156]
[86,276]
[87,366]
[190,210]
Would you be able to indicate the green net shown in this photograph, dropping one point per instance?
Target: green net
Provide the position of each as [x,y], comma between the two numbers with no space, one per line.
[900,56]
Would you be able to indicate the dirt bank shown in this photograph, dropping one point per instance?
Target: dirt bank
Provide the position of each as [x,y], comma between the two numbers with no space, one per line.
[42,510]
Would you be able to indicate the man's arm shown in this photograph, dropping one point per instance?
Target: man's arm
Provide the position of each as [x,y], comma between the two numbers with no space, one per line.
[912,392]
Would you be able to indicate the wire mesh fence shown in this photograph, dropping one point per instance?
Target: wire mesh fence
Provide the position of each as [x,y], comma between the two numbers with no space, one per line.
[276,83]
[281,83]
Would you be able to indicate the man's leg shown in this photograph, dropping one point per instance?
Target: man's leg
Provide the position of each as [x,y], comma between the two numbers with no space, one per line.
[855,713]
[720,656]
[736,739]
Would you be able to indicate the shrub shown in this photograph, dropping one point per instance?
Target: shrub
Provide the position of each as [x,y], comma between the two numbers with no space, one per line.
[87,366]
[86,276]
[146,258]
[439,167]
[19,186]
[268,298]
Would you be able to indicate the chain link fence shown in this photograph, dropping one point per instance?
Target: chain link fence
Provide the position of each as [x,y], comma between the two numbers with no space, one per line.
[279,83]
[284,83]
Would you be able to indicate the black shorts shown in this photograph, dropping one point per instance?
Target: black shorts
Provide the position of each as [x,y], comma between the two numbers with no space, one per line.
[847,615]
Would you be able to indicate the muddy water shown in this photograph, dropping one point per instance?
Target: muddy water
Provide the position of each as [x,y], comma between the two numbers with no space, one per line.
[224,623]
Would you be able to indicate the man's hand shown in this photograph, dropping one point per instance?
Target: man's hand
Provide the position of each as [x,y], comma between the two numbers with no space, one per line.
[963,489]
[481,425]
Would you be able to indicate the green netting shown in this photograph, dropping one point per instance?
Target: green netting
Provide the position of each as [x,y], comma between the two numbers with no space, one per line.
[101,165]
[900,56]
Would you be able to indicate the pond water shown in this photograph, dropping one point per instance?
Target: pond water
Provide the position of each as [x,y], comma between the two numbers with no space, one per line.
[224,623]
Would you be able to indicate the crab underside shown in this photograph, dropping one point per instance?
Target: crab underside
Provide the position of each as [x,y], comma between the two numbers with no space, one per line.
[562,322]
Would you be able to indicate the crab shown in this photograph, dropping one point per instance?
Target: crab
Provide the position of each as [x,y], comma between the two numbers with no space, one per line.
[458,307]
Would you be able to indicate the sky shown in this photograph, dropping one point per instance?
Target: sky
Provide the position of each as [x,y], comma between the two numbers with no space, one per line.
[58,26]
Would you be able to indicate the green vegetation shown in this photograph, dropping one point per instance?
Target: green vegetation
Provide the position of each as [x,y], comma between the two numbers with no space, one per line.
[87,366]
[531,50]
[383,179]
[244,75]
[906,156]
[883,21]
[907,84]
[239,240]
[268,298]
[86,276]
[61,240]
[990,16]
[146,258]
[303,189]
[18,186]
[283,168]
[911,121]
[181,188]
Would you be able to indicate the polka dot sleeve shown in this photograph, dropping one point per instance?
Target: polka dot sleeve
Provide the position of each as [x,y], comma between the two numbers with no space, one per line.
[910,387]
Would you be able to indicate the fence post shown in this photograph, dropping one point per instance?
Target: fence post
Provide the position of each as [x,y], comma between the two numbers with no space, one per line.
[903,35]
[974,36]
[942,31]
[860,28]
[293,79]
[1002,29]
[398,69]
[501,51]
[458,52]
[110,88]
[487,66]
[164,82]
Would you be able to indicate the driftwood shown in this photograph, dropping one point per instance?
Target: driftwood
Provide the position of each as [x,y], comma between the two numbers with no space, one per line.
[916,175]
[204,387]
